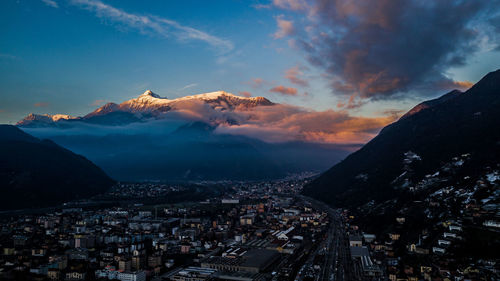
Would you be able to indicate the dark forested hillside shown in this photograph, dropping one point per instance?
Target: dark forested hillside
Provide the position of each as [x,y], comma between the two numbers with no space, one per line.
[432,133]
[36,173]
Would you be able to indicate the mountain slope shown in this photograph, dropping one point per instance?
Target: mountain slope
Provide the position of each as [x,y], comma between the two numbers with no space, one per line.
[37,172]
[456,124]
[194,151]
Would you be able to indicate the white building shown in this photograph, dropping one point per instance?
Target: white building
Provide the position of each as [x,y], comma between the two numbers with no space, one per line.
[438,250]
[132,276]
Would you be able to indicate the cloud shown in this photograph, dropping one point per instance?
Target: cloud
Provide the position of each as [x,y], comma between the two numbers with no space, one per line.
[285,28]
[353,102]
[293,74]
[281,123]
[41,104]
[295,5]
[255,83]
[7,56]
[270,123]
[262,6]
[51,3]
[152,25]
[461,85]
[383,49]
[245,94]
[284,90]
[98,102]
[188,86]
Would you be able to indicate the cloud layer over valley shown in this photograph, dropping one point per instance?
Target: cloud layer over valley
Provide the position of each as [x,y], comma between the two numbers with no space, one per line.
[209,136]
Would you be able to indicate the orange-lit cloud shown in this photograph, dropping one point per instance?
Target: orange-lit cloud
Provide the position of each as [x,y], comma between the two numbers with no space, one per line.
[279,123]
[98,102]
[288,91]
[41,104]
[449,84]
[285,28]
[283,123]
[463,85]
[368,48]
[245,94]
[255,82]
[293,74]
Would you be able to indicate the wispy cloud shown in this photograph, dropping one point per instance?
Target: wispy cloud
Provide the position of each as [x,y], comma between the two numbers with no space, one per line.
[152,25]
[98,102]
[294,5]
[51,3]
[245,94]
[261,6]
[293,74]
[188,86]
[287,91]
[255,82]
[285,28]
[41,104]
[7,56]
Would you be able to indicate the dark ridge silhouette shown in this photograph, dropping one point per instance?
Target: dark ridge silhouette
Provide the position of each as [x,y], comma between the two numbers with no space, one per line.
[37,173]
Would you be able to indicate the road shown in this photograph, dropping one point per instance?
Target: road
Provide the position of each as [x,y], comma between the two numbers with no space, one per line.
[338,264]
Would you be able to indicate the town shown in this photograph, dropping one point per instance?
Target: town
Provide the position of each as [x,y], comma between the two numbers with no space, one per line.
[238,231]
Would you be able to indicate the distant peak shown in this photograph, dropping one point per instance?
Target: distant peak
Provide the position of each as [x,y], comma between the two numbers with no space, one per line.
[150,93]
[44,118]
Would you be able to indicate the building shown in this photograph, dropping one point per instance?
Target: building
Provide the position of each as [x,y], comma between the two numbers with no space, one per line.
[355,241]
[362,255]
[193,274]
[75,275]
[247,219]
[125,265]
[53,274]
[284,235]
[254,261]
[132,276]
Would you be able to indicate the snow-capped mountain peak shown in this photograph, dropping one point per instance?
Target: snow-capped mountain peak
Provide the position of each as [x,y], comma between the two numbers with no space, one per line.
[150,93]
[151,102]
[152,105]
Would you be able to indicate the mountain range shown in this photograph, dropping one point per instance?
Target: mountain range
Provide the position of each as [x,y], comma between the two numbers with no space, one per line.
[417,146]
[147,106]
[35,173]
[155,138]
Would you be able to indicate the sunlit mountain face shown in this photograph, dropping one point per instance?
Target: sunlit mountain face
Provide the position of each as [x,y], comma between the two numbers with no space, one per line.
[209,136]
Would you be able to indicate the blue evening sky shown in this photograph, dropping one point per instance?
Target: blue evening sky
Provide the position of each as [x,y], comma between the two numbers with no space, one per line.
[64,56]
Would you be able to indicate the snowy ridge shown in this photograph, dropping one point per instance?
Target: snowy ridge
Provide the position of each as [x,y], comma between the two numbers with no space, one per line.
[152,104]
[44,118]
